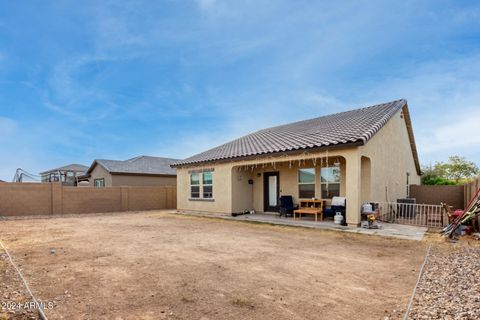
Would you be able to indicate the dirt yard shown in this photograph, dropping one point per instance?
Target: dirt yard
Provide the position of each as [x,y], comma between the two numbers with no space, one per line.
[158,265]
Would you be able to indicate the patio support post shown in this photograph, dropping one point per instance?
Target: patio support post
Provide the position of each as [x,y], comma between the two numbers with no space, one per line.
[353,188]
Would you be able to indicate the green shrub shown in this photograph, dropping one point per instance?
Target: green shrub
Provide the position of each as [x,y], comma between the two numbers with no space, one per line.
[438,181]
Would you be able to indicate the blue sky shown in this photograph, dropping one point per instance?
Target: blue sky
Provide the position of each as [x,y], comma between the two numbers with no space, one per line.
[84,80]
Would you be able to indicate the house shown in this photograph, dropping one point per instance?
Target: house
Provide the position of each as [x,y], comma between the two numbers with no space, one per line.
[138,171]
[367,154]
[67,175]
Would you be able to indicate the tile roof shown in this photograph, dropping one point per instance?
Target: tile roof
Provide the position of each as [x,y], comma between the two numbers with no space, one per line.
[138,165]
[70,167]
[355,126]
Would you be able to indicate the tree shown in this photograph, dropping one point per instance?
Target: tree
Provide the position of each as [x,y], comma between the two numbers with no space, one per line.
[453,171]
[458,168]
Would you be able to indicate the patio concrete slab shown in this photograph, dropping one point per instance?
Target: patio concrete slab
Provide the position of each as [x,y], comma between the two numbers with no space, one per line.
[394,230]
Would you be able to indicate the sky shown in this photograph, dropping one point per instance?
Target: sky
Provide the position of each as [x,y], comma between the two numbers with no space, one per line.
[81,80]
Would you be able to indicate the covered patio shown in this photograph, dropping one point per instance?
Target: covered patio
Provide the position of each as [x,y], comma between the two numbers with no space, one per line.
[314,177]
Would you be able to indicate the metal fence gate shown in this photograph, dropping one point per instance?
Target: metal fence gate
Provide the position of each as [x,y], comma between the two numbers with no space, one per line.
[425,215]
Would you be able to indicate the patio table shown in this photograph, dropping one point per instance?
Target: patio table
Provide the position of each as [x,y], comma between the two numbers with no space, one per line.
[314,211]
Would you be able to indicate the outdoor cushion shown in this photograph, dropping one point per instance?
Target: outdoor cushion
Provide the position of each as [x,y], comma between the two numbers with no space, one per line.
[338,201]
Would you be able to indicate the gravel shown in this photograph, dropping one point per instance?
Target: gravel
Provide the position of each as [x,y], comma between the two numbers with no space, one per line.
[450,285]
[13,293]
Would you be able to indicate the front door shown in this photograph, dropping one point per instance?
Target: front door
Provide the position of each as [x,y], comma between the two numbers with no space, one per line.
[271,187]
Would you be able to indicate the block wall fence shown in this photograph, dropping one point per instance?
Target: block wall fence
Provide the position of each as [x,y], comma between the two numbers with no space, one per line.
[28,199]
[426,194]
[470,189]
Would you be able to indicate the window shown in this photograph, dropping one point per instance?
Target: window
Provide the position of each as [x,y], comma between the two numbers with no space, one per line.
[201,185]
[99,183]
[195,185]
[330,181]
[207,185]
[306,183]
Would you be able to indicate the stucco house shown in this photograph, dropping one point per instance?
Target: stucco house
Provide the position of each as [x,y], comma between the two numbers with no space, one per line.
[138,171]
[367,154]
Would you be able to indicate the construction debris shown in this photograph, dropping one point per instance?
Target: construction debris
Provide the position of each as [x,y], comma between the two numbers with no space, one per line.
[471,212]
[450,286]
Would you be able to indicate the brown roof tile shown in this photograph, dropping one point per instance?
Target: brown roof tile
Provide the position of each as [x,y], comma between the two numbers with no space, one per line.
[341,128]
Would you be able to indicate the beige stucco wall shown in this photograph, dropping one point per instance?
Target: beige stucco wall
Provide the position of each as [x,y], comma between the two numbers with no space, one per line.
[243,192]
[222,190]
[142,181]
[232,193]
[98,173]
[391,158]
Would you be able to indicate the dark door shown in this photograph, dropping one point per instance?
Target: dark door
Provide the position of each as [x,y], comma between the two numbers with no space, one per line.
[271,187]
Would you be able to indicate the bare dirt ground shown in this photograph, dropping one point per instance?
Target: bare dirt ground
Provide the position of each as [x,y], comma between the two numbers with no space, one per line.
[158,265]
[14,298]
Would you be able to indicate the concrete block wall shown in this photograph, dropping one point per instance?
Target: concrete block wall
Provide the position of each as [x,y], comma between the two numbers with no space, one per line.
[147,198]
[91,200]
[427,194]
[25,199]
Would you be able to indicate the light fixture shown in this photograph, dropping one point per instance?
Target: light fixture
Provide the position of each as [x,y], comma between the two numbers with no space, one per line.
[337,163]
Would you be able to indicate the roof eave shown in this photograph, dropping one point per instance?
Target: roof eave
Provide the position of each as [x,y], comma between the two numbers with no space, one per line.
[411,137]
[357,143]
[94,163]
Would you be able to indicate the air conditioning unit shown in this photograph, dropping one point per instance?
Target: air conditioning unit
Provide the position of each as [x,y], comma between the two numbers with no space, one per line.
[407,211]
[407,200]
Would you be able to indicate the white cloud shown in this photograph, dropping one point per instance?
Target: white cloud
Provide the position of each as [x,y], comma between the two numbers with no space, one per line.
[455,135]
[79,99]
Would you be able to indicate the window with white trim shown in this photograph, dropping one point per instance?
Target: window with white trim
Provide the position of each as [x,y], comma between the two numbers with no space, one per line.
[330,182]
[195,185]
[99,183]
[306,183]
[207,185]
[201,185]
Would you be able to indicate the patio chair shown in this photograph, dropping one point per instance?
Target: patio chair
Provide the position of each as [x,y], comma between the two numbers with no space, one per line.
[339,204]
[286,206]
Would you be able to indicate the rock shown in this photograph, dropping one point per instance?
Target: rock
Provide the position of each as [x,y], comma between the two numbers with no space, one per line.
[449,287]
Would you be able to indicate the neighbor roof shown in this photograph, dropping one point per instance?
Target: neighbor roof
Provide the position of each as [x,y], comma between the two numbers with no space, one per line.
[138,165]
[70,167]
[350,127]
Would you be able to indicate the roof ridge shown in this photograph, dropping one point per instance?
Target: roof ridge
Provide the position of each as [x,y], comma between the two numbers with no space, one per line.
[332,114]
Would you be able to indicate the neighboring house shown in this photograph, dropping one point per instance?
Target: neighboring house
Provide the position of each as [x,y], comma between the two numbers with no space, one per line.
[68,174]
[367,154]
[138,171]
